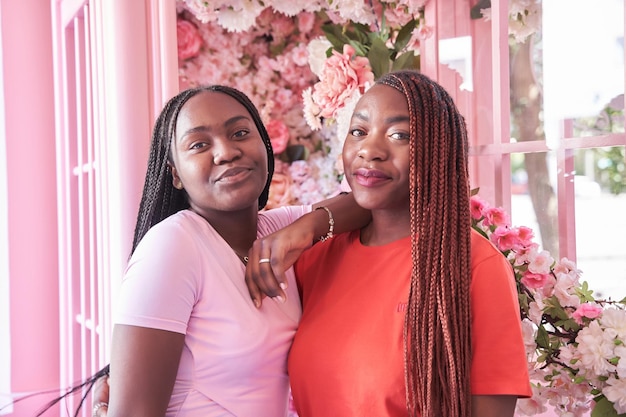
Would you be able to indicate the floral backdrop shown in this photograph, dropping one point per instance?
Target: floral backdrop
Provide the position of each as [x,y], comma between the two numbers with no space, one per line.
[305,63]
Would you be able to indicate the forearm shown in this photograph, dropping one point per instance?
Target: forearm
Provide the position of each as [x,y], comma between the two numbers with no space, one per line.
[280,250]
[346,215]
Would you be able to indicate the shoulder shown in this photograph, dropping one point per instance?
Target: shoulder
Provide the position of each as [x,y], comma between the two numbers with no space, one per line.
[275,219]
[484,251]
[174,233]
[492,273]
[331,247]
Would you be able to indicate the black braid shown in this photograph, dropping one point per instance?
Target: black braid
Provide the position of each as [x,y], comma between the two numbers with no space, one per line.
[160,199]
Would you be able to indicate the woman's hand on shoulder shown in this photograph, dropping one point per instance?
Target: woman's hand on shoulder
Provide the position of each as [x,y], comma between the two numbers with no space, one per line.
[271,256]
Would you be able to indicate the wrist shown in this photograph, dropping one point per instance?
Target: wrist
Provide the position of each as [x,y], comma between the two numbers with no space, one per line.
[330,225]
[97,407]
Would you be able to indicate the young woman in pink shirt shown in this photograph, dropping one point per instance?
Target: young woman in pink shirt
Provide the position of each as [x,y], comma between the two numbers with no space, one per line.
[187,338]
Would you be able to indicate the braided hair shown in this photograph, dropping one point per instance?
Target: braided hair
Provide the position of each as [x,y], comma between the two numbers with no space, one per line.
[437,323]
[160,198]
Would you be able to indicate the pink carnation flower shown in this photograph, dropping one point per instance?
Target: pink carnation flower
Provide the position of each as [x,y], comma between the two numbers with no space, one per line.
[588,310]
[496,216]
[189,39]
[504,238]
[342,74]
[525,236]
[279,135]
[535,281]
[477,205]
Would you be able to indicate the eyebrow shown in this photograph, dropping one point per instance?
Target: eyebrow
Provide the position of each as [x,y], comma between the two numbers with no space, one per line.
[205,128]
[389,120]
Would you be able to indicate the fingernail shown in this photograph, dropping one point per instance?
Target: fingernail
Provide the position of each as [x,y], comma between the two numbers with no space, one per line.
[279,298]
[283,285]
[257,303]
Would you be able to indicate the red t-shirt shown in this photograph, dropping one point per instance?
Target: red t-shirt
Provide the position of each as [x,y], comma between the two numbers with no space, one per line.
[347,358]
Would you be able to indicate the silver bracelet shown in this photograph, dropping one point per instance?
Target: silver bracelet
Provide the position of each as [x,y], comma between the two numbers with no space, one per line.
[98,407]
[331,224]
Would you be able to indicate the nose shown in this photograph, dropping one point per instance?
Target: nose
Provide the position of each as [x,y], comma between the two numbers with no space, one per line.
[225,150]
[372,148]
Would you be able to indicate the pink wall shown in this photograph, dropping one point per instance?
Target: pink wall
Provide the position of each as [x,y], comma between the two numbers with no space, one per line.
[34,308]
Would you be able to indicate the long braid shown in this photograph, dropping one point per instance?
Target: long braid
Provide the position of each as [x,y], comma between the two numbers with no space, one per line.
[160,198]
[437,323]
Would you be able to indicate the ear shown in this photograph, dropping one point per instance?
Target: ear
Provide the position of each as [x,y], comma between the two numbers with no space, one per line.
[176,182]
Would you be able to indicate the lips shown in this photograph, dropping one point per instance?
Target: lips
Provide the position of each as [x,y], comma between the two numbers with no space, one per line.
[233,174]
[370,177]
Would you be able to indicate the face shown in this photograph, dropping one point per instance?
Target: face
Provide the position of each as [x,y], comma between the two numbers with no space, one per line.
[218,155]
[376,150]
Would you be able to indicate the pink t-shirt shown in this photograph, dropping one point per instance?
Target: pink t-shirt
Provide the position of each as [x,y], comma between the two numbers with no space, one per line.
[183,277]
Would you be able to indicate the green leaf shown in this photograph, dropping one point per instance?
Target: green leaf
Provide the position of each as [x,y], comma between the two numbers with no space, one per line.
[335,35]
[379,58]
[359,48]
[584,293]
[361,33]
[542,338]
[404,61]
[404,35]
[604,408]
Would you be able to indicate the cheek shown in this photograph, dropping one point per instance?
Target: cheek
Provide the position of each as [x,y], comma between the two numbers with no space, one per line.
[348,154]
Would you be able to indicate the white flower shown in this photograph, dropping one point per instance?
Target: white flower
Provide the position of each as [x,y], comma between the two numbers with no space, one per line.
[317,54]
[201,10]
[532,406]
[613,318]
[529,332]
[355,10]
[595,350]
[620,352]
[343,116]
[535,310]
[541,263]
[311,110]
[564,291]
[293,7]
[239,19]
[615,391]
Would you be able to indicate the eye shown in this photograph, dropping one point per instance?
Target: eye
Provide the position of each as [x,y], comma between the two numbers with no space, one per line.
[403,136]
[241,133]
[356,132]
[198,145]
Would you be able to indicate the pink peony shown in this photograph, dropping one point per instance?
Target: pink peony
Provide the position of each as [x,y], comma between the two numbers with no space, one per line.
[588,310]
[477,205]
[496,216]
[535,281]
[525,236]
[279,135]
[189,39]
[342,74]
[280,194]
[504,238]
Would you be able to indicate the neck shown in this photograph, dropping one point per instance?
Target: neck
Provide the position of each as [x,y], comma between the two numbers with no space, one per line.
[386,227]
[237,228]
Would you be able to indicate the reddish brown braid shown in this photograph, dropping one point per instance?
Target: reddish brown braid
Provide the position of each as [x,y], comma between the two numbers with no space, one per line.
[437,324]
